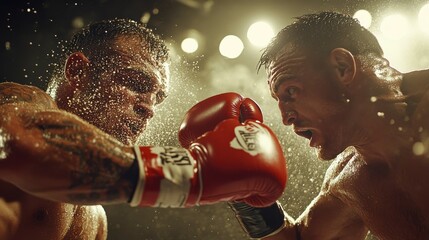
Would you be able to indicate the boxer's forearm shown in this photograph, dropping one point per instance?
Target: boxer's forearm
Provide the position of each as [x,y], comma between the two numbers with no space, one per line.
[56,155]
[98,168]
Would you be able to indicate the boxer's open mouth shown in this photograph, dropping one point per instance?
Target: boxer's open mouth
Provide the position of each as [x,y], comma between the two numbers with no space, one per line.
[304,133]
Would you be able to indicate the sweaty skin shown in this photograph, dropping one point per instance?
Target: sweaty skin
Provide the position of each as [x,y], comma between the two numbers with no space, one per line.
[374,121]
[65,158]
[23,216]
[119,90]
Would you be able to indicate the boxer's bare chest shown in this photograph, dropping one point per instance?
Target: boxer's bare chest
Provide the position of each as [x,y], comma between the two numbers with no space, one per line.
[34,218]
[392,201]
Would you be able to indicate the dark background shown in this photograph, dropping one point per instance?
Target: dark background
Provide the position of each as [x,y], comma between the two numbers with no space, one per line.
[34,28]
[30,32]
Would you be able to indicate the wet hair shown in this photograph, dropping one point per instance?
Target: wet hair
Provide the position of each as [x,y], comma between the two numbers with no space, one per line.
[97,38]
[320,33]
[104,32]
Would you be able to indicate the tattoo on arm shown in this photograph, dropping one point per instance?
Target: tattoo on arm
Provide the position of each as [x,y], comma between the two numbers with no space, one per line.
[97,168]
[97,163]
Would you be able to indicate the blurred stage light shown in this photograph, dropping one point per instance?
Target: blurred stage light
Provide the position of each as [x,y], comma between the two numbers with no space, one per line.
[364,17]
[189,45]
[394,26]
[424,18]
[231,46]
[193,42]
[78,22]
[260,34]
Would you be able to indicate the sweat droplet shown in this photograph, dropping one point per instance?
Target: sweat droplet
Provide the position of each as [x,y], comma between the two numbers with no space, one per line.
[418,148]
[380,114]
[373,99]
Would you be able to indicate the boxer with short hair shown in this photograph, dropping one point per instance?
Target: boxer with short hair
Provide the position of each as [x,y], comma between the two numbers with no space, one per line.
[335,88]
[112,74]
[82,152]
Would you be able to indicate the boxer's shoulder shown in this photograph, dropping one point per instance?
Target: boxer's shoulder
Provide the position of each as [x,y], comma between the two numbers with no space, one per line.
[11,92]
[344,168]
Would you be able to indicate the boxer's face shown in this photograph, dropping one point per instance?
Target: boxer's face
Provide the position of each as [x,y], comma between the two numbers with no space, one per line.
[310,99]
[126,83]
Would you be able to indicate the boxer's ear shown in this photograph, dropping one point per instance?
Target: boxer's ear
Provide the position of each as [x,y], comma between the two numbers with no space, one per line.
[344,64]
[76,68]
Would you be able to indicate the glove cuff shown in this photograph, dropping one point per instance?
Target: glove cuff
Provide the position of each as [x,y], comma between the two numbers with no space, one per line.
[259,222]
[138,191]
[168,177]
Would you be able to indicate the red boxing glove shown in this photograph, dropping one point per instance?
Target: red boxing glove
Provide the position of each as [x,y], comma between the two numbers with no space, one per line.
[235,161]
[241,161]
[205,115]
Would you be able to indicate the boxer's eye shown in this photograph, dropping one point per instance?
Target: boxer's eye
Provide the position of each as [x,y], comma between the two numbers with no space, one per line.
[291,91]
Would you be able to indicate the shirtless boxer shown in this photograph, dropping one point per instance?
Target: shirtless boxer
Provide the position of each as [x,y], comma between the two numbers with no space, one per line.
[335,88]
[25,216]
[114,75]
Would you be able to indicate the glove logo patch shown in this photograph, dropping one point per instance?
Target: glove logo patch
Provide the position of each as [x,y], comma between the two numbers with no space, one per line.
[248,138]
[174,156]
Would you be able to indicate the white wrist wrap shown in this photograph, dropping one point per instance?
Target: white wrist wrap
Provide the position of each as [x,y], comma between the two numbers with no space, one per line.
[169,171]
